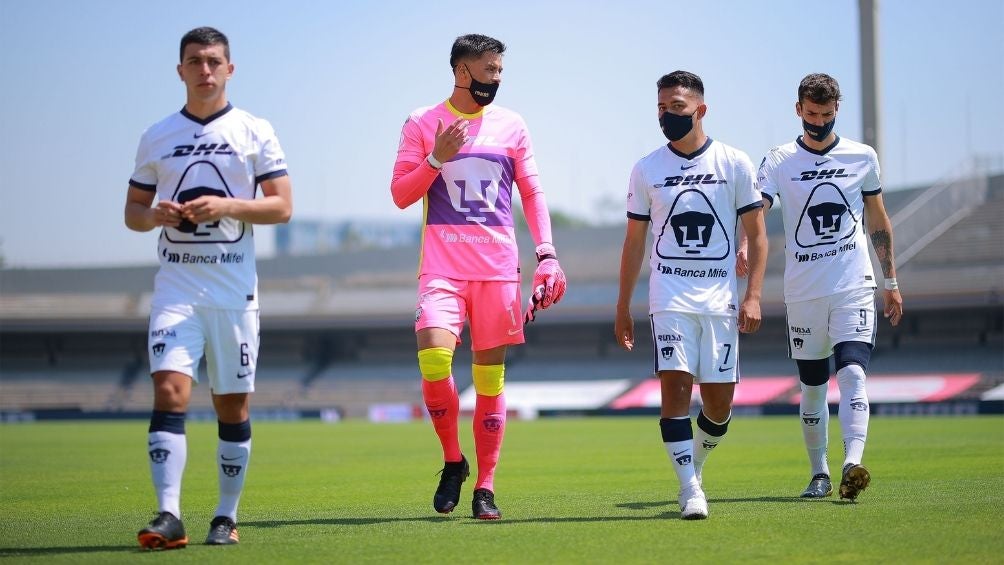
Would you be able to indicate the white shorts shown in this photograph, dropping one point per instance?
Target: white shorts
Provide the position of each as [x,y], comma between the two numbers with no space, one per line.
[815,326]
[179,335]
[705,346]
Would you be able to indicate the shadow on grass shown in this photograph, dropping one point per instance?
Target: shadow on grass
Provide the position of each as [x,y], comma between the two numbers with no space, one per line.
[34,551]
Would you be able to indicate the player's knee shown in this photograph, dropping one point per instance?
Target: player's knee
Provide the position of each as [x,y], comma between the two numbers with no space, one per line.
[813,372]
[852,353]
[435,363]
[489,380]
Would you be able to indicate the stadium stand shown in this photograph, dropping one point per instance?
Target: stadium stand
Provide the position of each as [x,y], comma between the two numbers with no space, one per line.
[336,329]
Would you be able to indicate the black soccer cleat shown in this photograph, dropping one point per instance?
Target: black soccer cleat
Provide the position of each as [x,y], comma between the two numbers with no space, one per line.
[222,531]
[448,492]
[855,479]
[164,532]
[483,506]
[819,487]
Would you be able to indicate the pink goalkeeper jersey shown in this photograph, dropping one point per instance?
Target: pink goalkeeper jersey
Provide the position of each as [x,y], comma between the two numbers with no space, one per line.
[468,231]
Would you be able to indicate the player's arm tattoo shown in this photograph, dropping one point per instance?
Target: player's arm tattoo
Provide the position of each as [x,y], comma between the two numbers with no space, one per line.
[882,242]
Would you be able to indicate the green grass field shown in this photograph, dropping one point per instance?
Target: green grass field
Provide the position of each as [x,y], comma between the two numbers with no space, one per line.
[571,490]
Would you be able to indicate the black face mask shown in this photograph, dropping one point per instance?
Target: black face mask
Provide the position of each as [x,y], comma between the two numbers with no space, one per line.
[482,92]
[676,127]
[818,133]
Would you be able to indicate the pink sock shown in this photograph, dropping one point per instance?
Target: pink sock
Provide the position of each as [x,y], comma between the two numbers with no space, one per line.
[489,427]
[443,404]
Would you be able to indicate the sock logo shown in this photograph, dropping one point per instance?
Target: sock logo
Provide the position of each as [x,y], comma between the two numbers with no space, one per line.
[811,419]
[231,470]
[859,405]
[159,455]
[437,413]
[708,445]
[492,423]
[683,459]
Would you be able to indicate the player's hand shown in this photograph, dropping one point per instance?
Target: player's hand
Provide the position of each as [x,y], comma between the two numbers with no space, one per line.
[749,316]
[548,283]
[167,213]
[449,140]
[742,261]
[893,306]
[624,329]
[205,209]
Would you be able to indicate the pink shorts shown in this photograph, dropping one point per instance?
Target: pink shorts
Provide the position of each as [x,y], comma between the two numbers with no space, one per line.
[493,308]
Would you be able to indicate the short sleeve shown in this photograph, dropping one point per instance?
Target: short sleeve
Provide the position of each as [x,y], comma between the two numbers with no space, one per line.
[270,161]
[872,184]
[639,204]
[144,175]
[766,183]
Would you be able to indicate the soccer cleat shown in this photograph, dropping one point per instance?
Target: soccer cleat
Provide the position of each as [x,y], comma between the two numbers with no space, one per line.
[164,532]
[483,505]
[448,492]
[222,531]
[693,503]
[855,479]
[819,487]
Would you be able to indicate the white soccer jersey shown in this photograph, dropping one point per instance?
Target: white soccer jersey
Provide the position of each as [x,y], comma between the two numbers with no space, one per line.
[822,202]
[182,158]
[694,203]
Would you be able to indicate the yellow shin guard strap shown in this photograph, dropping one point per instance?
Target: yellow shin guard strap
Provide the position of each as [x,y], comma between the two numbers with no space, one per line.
[435,363]
[488,379]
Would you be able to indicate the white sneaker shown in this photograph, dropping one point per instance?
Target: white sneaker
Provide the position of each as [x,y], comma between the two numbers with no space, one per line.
[693,504]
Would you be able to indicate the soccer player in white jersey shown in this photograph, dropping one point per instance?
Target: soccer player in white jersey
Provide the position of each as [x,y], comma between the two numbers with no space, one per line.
[203,166]
[829,190]
[462,158]
[692,192]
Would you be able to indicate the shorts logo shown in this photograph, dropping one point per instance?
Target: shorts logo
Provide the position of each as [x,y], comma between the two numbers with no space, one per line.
[492,423]
[159,455]
[670,337]
[418,313]
[667,352]
[798,342]
[231,470]
[164,332]
[800,331]
[158,349]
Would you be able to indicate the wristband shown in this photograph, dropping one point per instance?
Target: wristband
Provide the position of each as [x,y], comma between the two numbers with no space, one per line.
[545,251]
[433,162]
[891,284]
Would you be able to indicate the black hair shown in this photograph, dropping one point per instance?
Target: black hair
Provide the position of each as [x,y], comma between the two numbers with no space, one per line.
[474,45]
[205,36]
[819,88]
[684,79]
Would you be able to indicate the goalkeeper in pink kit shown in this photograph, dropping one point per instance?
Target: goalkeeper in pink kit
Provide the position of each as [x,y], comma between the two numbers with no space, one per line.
[462,158]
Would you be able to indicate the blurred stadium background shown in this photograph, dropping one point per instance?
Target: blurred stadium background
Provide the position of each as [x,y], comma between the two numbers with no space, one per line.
[337,334]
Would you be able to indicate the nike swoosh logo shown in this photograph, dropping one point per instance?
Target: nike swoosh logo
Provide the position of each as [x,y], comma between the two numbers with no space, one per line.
[859,330]
[818,163]
[240,376]
[513,332]
[225,458]
[685,167]
[809,413]
[197,136]
[675,453]
[721,370]
[153,443]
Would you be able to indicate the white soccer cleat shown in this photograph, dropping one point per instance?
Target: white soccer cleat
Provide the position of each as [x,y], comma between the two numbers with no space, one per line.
[693,504]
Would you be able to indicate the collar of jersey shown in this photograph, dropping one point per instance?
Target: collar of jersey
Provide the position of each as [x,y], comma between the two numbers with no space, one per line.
[209,118]
[453,110]
[693,155]
[828,148]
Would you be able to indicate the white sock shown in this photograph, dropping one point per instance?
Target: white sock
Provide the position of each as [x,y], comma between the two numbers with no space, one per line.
[854,412]
[815,416]
[707,439]
[681,455]
[168,453]
[232,458]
